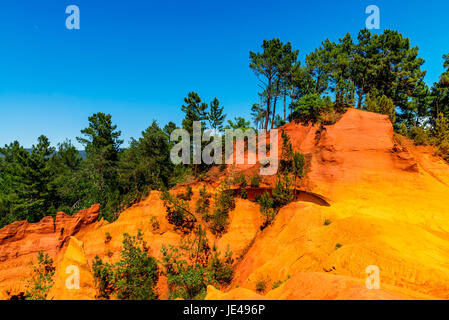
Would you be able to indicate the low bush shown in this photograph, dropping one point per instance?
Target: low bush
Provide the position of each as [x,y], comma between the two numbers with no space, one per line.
[134,277]
[41,280]
[224,203]
[203,204]
[192,266]
[178,212]
[255,181]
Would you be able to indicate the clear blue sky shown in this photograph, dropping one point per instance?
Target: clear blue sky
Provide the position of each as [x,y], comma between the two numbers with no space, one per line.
[138,59]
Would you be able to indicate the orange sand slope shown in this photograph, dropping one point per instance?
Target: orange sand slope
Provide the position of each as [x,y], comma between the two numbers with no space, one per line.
[388,209]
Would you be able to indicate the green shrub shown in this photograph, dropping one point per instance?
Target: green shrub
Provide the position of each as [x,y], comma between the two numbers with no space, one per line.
[441,130]
[203,204]
[261,284]
[380,104]
[192,266]
[178,212]
[244,194]
[282,193]
[420,135]
[309,108]
[134,277]
[224,203]
[338,246]
[41,280]
[277,284]
[327,222]
[104,278]
[255,181]
[443,150]
[267,209]
[240,180]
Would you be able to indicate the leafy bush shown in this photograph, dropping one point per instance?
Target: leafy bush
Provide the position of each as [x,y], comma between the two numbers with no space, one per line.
[443,150]
[134,277]
[441,130]
[203,204]
[192,266]
[292,162]
[41,280]
[267,209]
[240,180]
[104,278]
[178,212]
[261,284]
[309,108]
[282,192]
[380,104]
[420,135]
[244,194]
[255,181]
[224,203]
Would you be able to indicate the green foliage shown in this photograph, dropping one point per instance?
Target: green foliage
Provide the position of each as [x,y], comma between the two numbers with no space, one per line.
[224,203]
[282,193]
[25,182]
[255,181]
[261,284]
[309,108]
[292,162]
[46,180]
[338,246]
[244,194]
[104,277]
[274,67]
[420,135]
[145,164]
[203,204]
[216,116]
[192,266]
[380,104]
[178,212]
[240,123]
[240,180]
[134,277]
[441,129]
[327,222]
[41,279]
[267,208]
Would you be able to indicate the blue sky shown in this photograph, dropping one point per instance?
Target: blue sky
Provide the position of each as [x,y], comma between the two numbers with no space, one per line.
[138,59]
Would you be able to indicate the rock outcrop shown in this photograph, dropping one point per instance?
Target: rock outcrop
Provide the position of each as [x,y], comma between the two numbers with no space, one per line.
[21,241]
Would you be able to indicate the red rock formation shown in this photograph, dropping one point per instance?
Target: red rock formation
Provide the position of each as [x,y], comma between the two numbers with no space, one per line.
[21,240]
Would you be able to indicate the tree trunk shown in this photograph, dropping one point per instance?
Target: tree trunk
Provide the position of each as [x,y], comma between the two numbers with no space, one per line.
[285,104]
[267,116]
[275,101]
[359,104]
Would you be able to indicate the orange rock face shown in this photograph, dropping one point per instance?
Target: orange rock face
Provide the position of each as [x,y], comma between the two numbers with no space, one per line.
[388,210]
[21,241]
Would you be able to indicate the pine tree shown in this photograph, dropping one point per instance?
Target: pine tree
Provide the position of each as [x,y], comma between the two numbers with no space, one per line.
[216,116]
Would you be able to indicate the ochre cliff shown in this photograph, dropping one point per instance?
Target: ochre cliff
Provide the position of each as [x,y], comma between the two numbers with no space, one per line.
[389,208]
